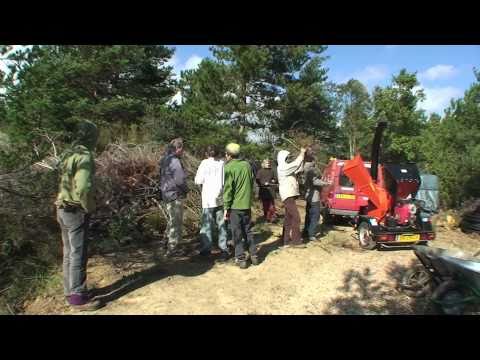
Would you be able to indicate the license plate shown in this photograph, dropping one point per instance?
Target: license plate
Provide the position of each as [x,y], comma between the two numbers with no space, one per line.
[345,196]
[409,237]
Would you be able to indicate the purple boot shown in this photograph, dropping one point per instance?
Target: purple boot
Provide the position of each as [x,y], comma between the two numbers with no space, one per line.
[82,302]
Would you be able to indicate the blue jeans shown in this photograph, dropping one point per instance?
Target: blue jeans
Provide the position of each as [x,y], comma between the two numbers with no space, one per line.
[74,226]
[212,219]
[240,221]
[312,216]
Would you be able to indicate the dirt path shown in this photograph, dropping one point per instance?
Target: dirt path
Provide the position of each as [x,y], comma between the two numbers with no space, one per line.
[331,276]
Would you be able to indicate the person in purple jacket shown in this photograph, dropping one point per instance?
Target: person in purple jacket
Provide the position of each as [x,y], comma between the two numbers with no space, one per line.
[173,186]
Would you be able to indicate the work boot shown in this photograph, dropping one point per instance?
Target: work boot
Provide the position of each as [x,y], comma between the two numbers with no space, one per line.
[255,260]
[241,262]
[83,303]
[224,256]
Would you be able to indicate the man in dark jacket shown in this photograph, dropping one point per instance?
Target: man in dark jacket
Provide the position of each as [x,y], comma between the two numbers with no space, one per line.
[174,190]
[266,181]
[313,188]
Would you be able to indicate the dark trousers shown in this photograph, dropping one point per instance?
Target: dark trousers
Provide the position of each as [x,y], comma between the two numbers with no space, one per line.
[312,216]
[269,209]
[291,224]
[74,226]
[241,225]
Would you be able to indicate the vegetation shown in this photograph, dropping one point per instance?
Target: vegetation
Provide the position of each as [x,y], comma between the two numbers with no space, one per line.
[261,96]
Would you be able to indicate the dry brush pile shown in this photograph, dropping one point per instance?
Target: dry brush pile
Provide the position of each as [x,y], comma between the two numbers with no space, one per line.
[129,205]
[128,211]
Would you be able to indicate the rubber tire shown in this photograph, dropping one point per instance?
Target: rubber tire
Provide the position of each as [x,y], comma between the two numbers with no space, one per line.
[371,244]
[448,288]
[414,289]
[468,227]
[472,218]
[470,222]
[327,218]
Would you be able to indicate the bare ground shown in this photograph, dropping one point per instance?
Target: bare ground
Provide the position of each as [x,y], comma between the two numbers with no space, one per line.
[331,276]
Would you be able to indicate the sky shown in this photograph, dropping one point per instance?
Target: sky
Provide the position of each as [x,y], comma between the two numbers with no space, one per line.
[444,71]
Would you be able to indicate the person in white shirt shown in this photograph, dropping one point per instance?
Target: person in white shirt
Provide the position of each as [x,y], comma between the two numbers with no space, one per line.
[210,177]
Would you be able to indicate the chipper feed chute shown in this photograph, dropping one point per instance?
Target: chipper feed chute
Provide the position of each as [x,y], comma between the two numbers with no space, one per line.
[379,197]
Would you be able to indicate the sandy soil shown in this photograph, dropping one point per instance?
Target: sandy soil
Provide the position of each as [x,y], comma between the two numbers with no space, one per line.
[330,276]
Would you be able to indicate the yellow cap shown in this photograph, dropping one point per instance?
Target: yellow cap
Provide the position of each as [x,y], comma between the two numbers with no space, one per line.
[233,149]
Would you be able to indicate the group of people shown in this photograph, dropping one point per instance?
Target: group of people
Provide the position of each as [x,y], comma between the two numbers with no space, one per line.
[227,181]
[227,197]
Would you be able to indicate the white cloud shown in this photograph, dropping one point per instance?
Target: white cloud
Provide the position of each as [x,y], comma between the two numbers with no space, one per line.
[438,72]
[175,63]
[438,98]
[370,73]
[192,62]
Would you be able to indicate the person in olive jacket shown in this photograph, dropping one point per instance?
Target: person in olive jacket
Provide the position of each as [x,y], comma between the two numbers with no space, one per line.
[237,202]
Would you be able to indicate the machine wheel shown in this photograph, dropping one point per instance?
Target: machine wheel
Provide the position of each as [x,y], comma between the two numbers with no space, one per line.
[416,282]
[446,297]
[327,218]
[365,236]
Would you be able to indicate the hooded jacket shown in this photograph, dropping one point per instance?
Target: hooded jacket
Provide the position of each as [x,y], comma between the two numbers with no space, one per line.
[173,180]
[287,181]
[77,170]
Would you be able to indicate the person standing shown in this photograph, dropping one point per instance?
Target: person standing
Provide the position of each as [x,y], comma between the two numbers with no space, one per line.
[75,202]
[210,176]
[266,182]
[237,201]
[289,191]
[313,188]
[174,190]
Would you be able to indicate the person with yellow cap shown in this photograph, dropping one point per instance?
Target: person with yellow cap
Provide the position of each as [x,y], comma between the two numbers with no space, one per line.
[237,202]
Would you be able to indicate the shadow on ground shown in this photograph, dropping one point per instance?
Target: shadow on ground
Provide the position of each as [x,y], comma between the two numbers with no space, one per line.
[361,294]
[145,263]
[184,267]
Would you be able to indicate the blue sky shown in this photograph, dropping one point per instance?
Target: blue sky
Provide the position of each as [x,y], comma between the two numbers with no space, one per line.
[444,72]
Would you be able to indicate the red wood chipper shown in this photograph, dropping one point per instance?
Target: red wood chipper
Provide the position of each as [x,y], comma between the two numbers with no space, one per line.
[392,218]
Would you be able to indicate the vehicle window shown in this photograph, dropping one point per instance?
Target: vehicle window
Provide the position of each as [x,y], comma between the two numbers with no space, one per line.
[344,180]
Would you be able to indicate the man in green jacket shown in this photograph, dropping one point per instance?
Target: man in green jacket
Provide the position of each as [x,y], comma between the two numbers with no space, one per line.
[75,202]
[237,202]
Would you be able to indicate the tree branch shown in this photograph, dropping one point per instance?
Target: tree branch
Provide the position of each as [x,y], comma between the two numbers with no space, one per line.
[13,192]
